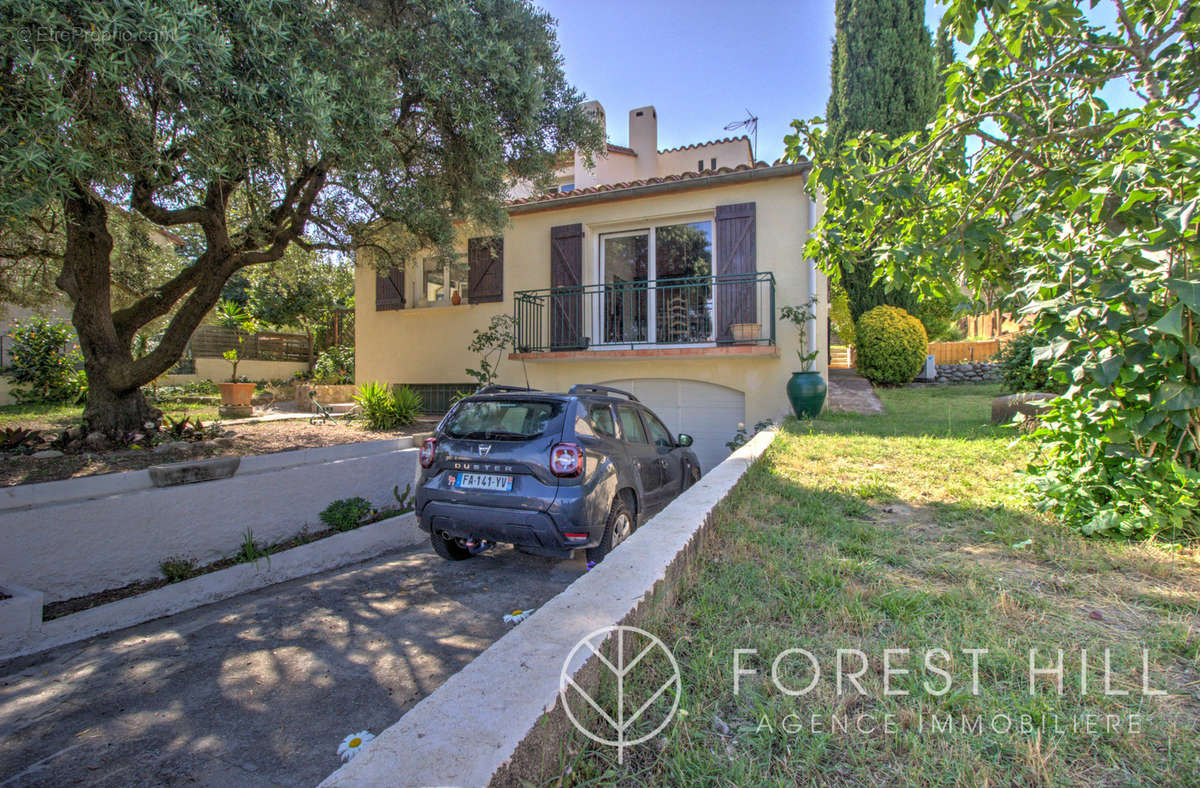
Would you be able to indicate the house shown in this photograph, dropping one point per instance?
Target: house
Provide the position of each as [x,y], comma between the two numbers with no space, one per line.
[641,159]
[667,286]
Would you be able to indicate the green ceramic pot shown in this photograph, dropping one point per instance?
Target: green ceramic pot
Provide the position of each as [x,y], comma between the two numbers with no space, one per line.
[806,392]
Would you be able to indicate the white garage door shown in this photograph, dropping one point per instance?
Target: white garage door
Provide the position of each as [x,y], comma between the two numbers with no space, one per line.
[706,411]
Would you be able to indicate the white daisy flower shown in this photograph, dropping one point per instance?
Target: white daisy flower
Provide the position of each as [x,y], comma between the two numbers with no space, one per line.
[517,616]
[352,744]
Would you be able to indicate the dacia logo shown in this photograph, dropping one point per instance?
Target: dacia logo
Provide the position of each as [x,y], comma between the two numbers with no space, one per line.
[484,448]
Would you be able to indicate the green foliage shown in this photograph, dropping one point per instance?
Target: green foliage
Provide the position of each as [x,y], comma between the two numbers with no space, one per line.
[386,408]
[251,551]
[492,343]
[346,514]
[1090,208]
[840,317]
[334,365]
[799,316]
[300,291]
[891,346]
[245,129]
[884,79]
[43,362]
[177,568]
[1018,372]
[742,435]
[405,501]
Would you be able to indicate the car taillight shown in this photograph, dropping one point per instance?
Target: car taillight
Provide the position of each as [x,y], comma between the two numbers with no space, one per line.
[566,459]
[428,449]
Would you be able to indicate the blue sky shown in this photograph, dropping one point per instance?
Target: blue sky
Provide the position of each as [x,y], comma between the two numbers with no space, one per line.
[701,63]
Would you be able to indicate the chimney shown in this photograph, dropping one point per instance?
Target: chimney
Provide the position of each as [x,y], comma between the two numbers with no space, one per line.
[595,111]
[643,138]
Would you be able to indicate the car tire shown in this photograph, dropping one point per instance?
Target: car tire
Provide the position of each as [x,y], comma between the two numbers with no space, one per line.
[449,549]
[617,528]
[693,476]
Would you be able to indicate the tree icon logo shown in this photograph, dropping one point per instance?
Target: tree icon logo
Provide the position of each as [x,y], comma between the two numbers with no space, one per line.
[650,657]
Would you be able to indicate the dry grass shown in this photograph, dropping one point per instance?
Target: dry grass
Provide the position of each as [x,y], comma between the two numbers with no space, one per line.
[910,531]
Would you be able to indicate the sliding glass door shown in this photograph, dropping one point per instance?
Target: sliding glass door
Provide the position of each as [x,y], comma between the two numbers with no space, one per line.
[657,285]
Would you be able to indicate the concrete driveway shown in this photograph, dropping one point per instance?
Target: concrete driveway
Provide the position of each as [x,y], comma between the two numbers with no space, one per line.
[261,689]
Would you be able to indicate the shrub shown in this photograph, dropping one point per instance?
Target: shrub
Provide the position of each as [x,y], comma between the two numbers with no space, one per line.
[43,364]
[177,568]
[891,345]
[1018,372]
[345,514]
[334,365]
[384,408]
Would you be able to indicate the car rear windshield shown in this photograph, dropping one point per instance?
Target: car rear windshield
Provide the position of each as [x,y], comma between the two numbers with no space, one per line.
[489,420]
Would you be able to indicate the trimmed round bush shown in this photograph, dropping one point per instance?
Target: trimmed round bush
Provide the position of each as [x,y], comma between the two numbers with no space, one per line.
[891,346]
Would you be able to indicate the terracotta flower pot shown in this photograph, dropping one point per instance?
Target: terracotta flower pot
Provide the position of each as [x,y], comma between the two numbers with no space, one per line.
[455,298]
[745,332]
[236,395]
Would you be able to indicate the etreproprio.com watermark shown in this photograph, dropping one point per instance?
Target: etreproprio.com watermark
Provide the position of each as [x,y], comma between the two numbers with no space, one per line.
[70,34]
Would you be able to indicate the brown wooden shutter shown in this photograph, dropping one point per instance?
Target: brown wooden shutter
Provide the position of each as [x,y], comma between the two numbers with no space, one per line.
[485,279]
[735,301]
[389,289]
[566,282]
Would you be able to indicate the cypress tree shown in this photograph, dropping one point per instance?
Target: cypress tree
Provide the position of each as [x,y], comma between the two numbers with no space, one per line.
[884,78]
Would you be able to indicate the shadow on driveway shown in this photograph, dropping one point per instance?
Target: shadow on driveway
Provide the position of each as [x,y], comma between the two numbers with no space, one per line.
[261,689]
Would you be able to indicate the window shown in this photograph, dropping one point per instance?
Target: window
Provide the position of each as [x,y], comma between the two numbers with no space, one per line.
[658,285]
[700,165]
[440,280]
[714,163]
[601,419]
[567,187]
[631,425]
[501,420]
[660,436]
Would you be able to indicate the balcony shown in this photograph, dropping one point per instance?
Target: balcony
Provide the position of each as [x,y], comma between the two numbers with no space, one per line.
[725,315]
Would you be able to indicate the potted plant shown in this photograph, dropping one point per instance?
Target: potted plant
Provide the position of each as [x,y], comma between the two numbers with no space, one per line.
[235,396]
[805,389]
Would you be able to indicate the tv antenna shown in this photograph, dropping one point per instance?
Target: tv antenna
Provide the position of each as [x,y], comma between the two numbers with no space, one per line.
[750,124]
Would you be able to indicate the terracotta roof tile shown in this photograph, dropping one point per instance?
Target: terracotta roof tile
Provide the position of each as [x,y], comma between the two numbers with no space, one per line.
[706,144]
[611,187]
[621,149]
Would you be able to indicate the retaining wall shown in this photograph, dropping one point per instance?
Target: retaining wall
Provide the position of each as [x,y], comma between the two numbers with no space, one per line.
[498,720]
[78,536]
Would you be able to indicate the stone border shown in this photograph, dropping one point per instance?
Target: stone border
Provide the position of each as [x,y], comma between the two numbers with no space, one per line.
[27,496]
[331,552]
[21,612]
[497,721]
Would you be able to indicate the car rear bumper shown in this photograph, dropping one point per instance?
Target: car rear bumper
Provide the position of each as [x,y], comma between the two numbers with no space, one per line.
[536,531]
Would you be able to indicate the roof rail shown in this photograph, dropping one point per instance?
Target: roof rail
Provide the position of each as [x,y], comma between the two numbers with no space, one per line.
[497,387]
[590,388]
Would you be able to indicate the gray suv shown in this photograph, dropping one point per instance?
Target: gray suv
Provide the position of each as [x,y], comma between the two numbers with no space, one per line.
[548,473]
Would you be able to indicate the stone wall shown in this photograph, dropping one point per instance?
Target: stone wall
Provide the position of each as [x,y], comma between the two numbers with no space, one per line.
[978,372]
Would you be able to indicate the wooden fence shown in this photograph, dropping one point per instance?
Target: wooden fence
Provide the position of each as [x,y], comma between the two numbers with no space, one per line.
[960,352]
[212,341]
[842,356]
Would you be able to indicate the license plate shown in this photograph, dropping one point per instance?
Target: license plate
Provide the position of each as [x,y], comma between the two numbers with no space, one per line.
[481,481]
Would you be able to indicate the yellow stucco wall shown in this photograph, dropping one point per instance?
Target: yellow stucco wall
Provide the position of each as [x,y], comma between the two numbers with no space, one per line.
[430,345]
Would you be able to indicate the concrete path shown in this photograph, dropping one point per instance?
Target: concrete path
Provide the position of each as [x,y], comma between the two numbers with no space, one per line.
[261,689]
[850,392]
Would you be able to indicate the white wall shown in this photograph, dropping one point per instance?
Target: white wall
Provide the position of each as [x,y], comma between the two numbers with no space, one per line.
[79,536]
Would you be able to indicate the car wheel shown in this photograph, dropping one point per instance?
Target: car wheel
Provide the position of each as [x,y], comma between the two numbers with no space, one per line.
[449,549]
[617,528]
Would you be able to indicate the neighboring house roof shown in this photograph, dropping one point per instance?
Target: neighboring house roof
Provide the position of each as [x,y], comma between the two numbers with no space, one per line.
[688,180]
[722,141]
[621,149]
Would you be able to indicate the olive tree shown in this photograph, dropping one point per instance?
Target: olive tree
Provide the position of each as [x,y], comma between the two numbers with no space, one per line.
[315,119]
[1029,175]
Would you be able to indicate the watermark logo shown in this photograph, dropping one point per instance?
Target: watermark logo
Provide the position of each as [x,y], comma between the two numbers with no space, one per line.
[649,654]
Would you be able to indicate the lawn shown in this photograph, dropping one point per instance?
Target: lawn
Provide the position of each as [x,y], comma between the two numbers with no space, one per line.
[61,416]
[909,531]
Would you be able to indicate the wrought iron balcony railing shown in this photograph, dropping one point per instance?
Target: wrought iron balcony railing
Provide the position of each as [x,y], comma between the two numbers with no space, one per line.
[705,310]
